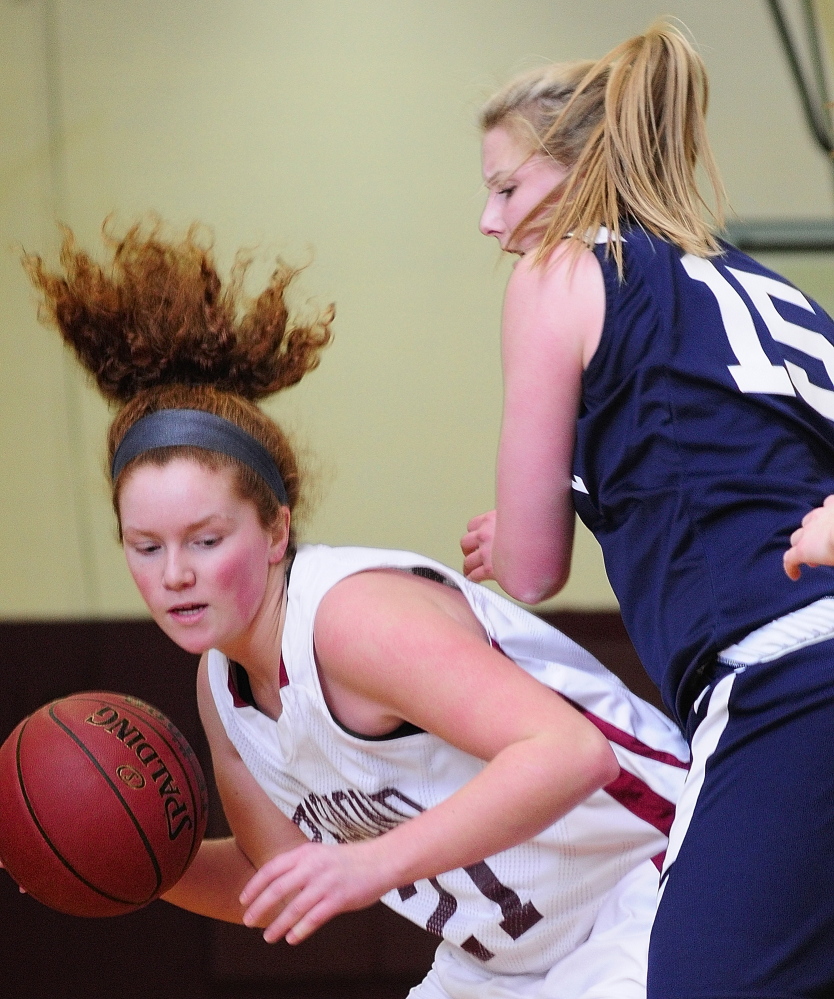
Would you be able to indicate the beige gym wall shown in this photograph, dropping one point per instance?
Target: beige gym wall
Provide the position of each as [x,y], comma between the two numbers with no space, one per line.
[336,131]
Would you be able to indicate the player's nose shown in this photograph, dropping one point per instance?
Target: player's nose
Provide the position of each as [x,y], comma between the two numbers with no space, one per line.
[490,224]
[178,574]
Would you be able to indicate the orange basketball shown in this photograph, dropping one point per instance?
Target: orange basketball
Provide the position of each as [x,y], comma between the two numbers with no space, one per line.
[103,804]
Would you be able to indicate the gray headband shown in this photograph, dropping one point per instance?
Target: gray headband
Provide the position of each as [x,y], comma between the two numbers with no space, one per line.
[197,428]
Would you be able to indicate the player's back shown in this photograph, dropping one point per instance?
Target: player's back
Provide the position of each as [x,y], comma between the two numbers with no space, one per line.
[704,437]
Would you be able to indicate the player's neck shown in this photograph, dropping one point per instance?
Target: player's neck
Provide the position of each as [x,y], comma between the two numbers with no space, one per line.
[258,650]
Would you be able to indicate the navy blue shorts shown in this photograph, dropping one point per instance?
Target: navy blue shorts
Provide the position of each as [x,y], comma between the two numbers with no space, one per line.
[747,903]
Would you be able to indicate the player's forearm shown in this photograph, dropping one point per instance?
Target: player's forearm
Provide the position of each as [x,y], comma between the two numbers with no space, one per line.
[533,542]
[523,790]
[529,580]
[212,884]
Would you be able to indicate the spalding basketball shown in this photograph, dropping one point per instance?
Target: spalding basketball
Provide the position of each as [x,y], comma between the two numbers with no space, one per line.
[103,804]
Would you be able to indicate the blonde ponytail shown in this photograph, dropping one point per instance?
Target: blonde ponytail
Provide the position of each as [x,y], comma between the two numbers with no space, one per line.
[631,128]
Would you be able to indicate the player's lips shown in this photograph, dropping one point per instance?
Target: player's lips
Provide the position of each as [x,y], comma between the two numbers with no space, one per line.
[187,613]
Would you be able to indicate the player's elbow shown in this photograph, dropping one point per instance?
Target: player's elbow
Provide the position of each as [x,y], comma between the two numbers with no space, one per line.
[594,761]
[536,592]
[606,768]
[532,583]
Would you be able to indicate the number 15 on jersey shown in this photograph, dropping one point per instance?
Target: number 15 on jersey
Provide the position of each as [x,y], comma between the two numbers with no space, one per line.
[755,372]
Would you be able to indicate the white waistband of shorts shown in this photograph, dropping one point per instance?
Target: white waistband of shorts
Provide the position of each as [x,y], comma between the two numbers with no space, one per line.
[806,626]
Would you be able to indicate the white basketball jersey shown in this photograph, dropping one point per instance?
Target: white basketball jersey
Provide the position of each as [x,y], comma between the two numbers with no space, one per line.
[524,909]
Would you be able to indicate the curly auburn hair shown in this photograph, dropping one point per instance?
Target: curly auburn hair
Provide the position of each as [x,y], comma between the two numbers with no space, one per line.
[157,329]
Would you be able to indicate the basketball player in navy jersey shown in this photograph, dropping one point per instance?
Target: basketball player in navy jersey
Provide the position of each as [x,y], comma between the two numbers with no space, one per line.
[679,397]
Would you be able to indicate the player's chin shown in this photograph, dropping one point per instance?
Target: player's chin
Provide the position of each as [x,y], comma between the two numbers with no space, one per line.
[190,637]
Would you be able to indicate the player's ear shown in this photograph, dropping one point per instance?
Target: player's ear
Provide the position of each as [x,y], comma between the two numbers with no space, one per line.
[280,531]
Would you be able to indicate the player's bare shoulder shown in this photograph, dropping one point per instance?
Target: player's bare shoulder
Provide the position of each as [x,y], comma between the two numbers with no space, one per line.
[375,594]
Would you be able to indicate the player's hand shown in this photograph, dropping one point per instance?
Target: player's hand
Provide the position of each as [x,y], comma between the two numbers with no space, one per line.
[812,544]
[476,546]
[314,882]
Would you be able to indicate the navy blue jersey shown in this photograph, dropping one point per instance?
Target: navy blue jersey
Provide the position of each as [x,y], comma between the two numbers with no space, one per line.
[706,433]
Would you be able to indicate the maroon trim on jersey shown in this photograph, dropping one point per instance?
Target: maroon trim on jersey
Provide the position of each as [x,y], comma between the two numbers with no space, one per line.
[627,789]
[238,683]
[627,741]
[237,700]
[617,735]
[635,795]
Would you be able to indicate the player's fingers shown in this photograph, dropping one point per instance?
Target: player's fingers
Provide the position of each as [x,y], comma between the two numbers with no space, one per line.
[811,516]
[268,874]
[472,561]
[277,894]
[312,921]
[297,914]
[469,543]
[791,564]
[477,522]
[477,572]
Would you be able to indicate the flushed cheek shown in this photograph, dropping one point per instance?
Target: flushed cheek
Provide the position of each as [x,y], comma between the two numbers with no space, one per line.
[244,579]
